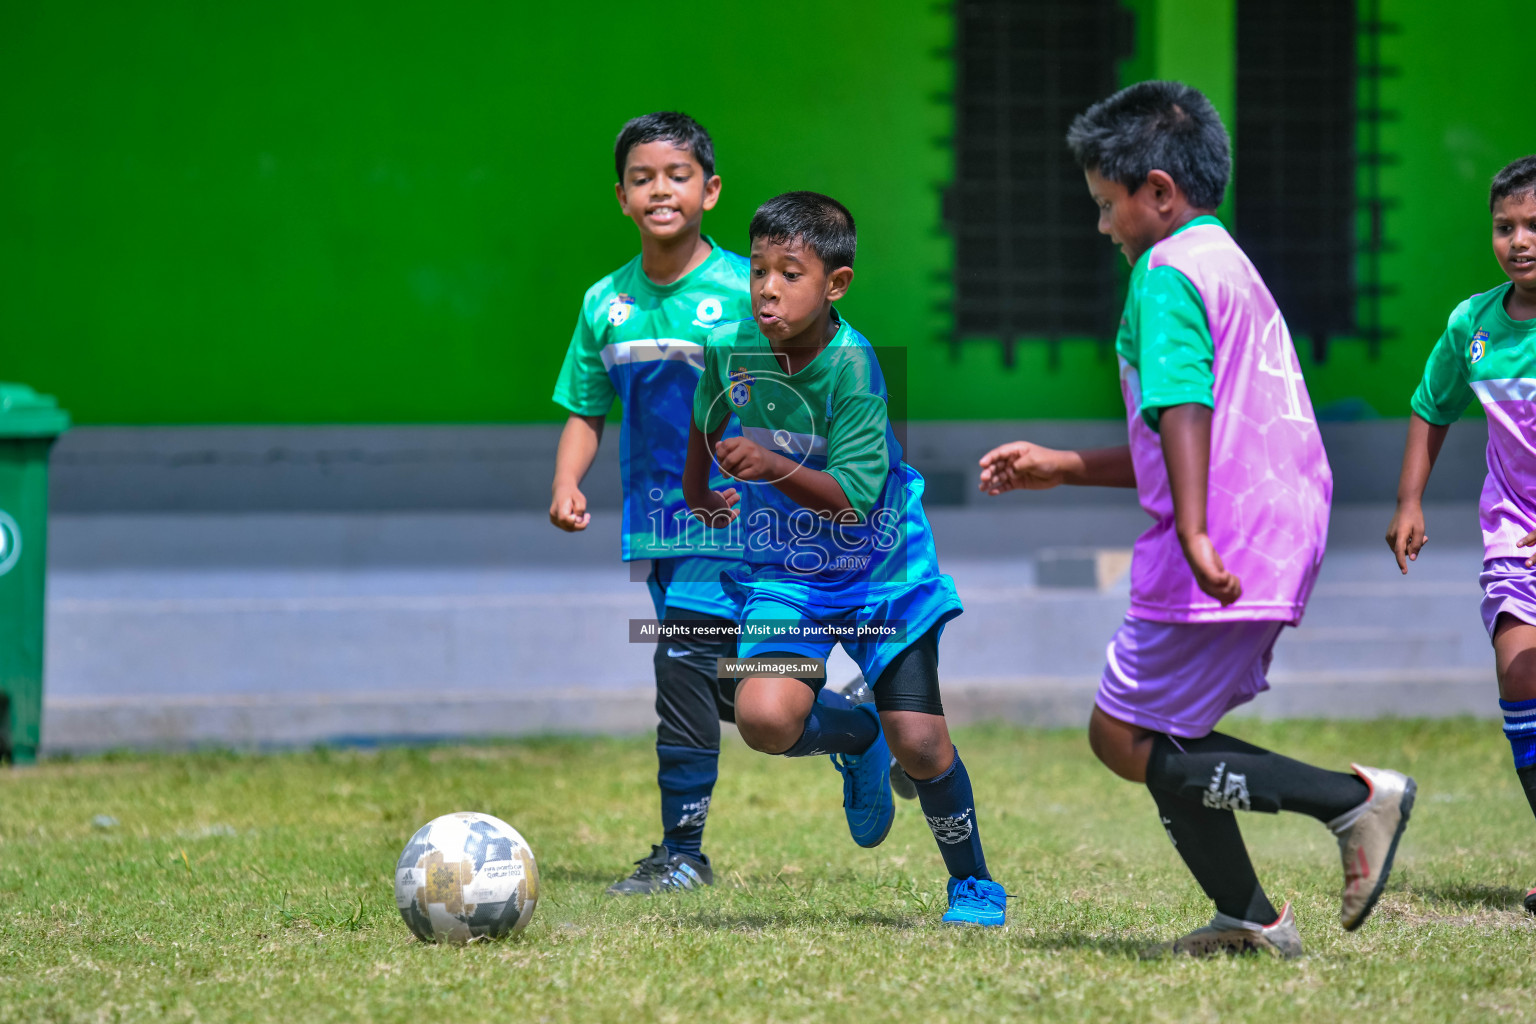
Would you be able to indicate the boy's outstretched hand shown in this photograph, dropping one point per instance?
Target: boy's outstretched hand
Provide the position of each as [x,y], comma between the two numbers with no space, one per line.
[1210,572]
[1020,465]
[568,509]
[1406,536]
[1529,540]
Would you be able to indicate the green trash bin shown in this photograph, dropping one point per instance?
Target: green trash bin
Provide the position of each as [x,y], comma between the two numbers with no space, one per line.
[29,424]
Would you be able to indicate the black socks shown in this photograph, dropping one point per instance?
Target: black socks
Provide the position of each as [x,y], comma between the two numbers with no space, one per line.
[1223,773]
[1197,784]
[1212,846]
[1528,780]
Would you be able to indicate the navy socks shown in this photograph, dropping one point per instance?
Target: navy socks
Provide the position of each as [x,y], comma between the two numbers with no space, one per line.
[831,730]
[686,776]
[951,812]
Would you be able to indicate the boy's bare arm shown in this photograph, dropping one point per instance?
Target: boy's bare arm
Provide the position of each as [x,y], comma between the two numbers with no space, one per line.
[716,508]
[1031,467]
[1405,534]
[573,457]
[809,488]
[1186,436]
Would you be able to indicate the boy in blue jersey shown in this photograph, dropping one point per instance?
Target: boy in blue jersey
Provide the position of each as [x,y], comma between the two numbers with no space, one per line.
[639,339]
[836,545]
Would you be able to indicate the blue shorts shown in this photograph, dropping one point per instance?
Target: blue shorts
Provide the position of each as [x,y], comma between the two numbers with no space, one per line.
[690,583]
[783,608]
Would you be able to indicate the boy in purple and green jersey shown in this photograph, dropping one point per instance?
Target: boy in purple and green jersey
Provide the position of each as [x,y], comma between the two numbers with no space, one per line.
[1488,352]
[1226,458]
[639,339]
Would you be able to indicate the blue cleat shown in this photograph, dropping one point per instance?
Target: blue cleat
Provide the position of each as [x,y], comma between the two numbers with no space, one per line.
[867,788]
[852,695]
[976,901]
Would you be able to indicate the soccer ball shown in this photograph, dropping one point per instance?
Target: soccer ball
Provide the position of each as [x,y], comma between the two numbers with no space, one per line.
[466,876]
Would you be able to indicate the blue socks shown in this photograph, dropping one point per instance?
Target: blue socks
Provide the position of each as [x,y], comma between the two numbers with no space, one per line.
[687,778]
[1520,729]
[951,814]
[835,731]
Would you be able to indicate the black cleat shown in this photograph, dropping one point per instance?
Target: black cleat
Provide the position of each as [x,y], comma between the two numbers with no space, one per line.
[665,872]
[1530,902]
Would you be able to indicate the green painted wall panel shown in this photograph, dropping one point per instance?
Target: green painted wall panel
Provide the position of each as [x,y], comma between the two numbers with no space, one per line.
[354,213]
[1456,123]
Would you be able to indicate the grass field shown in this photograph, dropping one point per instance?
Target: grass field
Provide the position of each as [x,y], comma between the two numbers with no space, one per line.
[258,888]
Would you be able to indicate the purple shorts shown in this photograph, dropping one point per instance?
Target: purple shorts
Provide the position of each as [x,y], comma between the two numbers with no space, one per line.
[1509,588]
[1181,677]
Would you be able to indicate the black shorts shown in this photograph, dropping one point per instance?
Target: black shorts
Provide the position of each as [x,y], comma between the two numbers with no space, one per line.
[909,683]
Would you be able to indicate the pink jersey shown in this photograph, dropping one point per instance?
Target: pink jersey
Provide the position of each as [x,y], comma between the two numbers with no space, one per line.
[1270,485]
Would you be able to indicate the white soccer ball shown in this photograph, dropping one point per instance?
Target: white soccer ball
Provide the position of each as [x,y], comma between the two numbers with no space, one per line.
[466,876]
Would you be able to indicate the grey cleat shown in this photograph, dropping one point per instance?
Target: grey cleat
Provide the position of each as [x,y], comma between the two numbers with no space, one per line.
[665,872]
[901,783]
[1368,837]
[1229,935]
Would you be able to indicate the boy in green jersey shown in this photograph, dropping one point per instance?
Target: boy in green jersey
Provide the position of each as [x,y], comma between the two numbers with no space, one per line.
[1488,351]
[836,545]
[639,338]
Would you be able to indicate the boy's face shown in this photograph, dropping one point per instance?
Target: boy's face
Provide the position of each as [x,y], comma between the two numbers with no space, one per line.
[791,287]
[1134,221]
[665,191]
[1514,238]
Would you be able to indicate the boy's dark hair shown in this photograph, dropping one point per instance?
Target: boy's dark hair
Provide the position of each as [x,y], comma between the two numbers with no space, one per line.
[666,126]
[1516,179]
[822,223]
[1165,126]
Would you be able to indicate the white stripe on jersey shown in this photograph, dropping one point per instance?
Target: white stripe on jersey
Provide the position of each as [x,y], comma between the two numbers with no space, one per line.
[652,350]
[786,440]
[1511,389]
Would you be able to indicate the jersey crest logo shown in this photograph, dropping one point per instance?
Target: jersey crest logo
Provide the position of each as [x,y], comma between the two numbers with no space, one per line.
[709,312]
[741,387]
[619,308]
[1479,346]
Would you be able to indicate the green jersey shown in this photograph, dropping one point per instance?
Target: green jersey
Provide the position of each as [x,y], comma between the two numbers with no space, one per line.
[643,343]
[831,416]
[1487,355]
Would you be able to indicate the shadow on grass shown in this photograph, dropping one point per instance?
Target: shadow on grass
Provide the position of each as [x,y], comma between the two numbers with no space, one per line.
[1475,897]
[583,876]
[1130,947]
[764,921]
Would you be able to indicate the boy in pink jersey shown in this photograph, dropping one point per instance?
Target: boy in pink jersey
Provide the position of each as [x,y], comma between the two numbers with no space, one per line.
[1488,351]
[1226,458]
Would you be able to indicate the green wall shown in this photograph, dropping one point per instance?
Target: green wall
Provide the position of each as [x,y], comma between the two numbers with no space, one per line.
[363,213]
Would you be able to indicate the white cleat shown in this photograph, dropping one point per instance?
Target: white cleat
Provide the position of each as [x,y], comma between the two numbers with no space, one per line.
[1230,935]
[1368,837]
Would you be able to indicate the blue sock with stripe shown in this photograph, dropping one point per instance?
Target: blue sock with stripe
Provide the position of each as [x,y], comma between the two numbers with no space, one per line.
[1520,730]
[686,776]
